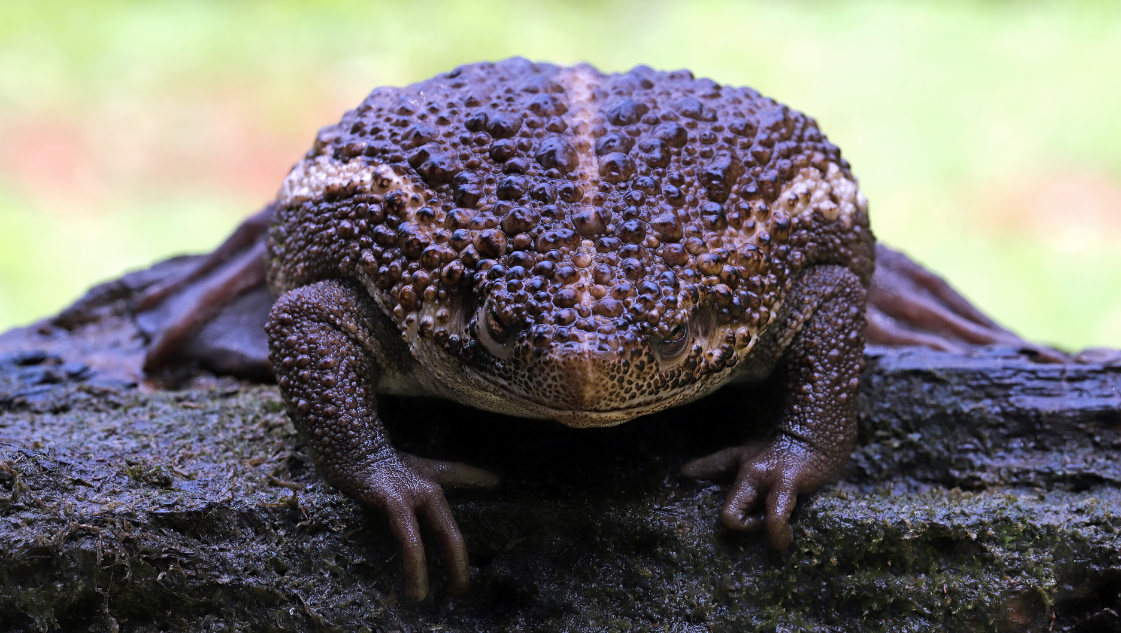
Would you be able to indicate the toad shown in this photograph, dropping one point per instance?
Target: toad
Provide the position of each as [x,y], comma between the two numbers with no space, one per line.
[560,243]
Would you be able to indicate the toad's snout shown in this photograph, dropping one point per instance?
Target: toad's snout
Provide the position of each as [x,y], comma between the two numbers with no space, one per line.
[593,375]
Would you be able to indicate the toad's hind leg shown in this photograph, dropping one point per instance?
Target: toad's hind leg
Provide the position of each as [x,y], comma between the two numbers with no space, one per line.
[821,367]
[214,310]
[911,306]
[325,351]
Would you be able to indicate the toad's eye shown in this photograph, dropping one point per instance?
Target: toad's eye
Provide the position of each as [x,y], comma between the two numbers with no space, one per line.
[498,332]
[674,344]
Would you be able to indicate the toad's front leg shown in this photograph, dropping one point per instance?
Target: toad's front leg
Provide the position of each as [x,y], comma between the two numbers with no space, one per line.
[320,347]
[822,366]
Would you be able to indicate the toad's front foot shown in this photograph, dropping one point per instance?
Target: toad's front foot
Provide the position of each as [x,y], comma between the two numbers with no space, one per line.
[405,487]
[822,369]
[323,341]
[781,471]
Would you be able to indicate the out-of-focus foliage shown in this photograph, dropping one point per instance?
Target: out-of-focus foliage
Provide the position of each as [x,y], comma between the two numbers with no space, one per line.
[985,134]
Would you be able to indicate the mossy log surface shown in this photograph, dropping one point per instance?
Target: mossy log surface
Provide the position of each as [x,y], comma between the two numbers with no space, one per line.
[984,495]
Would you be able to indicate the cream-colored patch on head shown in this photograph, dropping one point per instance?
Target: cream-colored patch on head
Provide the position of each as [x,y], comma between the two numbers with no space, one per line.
[833,194]
[584,261]
[310,178]
[579,82]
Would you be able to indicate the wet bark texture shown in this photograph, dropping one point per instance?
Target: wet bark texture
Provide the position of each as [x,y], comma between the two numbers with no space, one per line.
[985,494]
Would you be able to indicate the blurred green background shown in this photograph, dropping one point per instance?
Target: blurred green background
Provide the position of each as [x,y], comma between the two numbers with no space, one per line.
[987,135]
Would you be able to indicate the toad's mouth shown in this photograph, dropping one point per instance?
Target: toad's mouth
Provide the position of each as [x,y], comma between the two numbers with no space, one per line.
[512,402]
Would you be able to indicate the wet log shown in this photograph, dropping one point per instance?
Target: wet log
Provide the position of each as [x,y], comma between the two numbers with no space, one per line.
[985,494]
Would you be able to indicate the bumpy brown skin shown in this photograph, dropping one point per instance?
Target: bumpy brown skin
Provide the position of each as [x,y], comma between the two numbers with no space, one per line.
[559,243]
